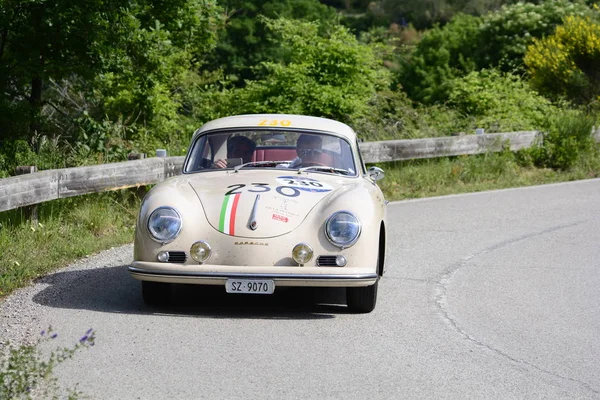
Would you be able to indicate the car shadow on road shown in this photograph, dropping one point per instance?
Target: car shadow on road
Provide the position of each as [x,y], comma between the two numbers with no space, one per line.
[113,290]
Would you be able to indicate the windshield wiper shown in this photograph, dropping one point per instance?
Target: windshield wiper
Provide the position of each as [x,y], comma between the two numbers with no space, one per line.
[325,169]
[255,164]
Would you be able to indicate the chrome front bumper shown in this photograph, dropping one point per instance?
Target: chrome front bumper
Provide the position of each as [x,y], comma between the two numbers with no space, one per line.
[300,276]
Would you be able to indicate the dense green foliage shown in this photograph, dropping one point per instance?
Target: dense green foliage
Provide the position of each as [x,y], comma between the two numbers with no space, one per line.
[567,138]
[443,54]
[100,73]
[329,74]
[246,41]
[499,102]
[567,63]
[495,40]
[89,81]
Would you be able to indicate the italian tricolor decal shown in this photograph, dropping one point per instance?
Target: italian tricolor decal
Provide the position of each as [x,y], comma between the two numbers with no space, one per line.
[228,210]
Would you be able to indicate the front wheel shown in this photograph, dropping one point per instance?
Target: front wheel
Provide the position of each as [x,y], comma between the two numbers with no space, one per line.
[156,293]
[362,299]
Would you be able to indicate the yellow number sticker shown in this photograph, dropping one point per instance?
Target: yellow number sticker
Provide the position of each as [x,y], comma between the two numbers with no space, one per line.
[275,122]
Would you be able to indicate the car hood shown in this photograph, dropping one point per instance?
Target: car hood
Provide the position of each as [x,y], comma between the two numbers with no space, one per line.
[262,204]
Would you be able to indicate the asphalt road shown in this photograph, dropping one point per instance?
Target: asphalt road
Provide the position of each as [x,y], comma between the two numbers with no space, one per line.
[492,295]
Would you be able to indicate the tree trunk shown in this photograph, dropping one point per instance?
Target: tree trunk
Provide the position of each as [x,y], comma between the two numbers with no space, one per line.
[3,41]
[36,105]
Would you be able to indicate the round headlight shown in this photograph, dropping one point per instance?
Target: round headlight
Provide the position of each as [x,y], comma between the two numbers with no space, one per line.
[200,251]
[342,229]
[302,253]
[164,224]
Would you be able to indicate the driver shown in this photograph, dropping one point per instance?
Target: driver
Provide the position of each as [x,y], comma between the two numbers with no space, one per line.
[308,148]
[238,147]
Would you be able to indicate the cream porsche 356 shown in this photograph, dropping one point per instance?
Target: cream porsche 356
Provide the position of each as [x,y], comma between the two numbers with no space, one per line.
[266,201]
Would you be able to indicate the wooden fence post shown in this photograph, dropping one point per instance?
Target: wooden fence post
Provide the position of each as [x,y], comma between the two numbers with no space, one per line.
[31,212]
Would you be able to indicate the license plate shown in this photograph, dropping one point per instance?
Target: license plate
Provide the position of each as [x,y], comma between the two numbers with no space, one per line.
[251,286]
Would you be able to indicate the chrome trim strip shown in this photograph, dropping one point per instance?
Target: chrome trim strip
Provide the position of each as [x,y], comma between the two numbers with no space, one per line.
[241,275]
[252,224]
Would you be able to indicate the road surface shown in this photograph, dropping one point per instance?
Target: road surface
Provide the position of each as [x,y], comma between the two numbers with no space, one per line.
[487,295]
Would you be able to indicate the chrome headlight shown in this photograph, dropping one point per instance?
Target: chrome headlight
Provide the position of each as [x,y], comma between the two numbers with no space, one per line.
[164,224]
[342,229]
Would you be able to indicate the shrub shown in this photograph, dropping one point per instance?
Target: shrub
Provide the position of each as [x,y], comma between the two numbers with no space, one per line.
[394,116]
[499,102]
[567,138]
[505,34]
[567,63]
[26,374]
[495,40]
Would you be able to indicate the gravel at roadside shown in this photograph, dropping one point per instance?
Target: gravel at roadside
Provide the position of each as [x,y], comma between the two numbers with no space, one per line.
[20,313]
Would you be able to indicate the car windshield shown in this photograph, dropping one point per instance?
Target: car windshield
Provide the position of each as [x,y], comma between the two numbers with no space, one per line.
[305,151]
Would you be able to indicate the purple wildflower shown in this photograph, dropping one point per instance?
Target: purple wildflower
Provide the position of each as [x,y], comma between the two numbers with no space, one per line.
[89,331]
[42,333]
[54,336]
[83,339]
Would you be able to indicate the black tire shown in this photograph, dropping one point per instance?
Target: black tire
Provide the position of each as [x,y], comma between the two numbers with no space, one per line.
[156,293]
[362,300]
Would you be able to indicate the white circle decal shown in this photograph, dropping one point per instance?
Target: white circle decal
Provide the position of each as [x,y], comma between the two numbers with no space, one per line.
[305,184]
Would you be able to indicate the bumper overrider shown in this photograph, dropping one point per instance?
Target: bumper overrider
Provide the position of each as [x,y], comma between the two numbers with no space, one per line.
[285,276]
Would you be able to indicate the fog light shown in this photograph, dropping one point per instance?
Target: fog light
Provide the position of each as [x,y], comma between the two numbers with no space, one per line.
[302,253]
[200,251]
[163,256]
[340,261]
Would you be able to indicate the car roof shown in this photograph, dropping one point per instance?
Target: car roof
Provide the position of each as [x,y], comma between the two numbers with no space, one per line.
[290,121]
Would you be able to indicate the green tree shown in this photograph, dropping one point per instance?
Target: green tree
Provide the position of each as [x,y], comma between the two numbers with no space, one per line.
[85,69]
[329,74]
[442,55]
[246,41]
[424,14]
[40,39]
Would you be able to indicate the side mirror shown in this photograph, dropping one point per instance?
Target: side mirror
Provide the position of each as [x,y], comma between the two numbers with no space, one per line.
[375,173]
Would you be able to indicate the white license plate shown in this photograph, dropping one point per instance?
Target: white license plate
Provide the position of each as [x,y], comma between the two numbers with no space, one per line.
[252,286]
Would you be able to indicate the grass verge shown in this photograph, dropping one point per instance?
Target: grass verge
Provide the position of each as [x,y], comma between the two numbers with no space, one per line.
[464,174]
[69,229]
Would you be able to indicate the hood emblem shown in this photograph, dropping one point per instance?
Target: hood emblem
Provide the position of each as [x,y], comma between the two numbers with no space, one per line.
[252,224]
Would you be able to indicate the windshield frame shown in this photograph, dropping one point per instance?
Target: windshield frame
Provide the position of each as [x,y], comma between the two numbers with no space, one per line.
[356,160]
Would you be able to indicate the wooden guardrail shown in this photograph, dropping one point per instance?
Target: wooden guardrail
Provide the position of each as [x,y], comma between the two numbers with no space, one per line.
[25,190]
[38,187]
[397,150]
